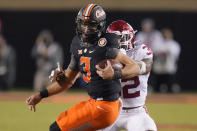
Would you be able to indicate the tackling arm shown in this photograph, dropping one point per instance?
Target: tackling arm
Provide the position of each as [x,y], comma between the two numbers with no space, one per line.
[130,69]
[145,65]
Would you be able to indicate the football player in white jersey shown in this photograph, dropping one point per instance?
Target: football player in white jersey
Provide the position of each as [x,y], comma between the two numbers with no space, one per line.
[134,115]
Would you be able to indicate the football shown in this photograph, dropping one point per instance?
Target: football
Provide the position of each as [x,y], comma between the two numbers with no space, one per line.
[115,64]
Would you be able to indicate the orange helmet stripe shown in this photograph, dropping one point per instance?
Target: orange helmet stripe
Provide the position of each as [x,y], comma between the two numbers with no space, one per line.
[91,9]
[87,11]
[84,12]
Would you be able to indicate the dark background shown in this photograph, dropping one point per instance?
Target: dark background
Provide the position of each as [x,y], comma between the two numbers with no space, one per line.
[22,27]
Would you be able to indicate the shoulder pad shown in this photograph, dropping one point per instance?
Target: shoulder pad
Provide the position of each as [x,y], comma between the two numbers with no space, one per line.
[109,40]
[146,50]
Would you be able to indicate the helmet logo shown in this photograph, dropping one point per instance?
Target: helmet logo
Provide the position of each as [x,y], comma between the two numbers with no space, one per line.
[99,13]
[102,42]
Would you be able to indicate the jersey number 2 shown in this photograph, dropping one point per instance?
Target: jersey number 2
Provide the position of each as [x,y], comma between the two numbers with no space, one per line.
[86,68]
[126,88]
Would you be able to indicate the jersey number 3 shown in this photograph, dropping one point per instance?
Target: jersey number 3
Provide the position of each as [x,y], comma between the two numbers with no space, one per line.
[134,84]
[86,68]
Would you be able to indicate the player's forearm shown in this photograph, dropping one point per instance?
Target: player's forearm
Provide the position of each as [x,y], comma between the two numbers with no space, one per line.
[130,71]
[145,66]
[55,88]
[66,81]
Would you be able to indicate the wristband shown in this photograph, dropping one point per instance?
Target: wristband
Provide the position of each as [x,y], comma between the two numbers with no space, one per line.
[61,79]
[143,67]
[44,93]
[117,74]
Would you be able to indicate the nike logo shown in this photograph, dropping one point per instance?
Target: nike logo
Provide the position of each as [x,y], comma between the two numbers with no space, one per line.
[91,51]
[100,108]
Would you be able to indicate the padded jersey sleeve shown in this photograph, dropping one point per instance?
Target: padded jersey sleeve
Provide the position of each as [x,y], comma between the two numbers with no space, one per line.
[112,53]
[112,40]
[146,51]
[75,44]
[73,63]
[112,45]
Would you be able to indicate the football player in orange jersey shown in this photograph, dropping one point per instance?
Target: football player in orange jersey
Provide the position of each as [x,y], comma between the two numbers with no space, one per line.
[90,46]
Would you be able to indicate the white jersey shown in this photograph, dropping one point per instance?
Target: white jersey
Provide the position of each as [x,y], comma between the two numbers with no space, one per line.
[134,90]
[133,95]
[167,64]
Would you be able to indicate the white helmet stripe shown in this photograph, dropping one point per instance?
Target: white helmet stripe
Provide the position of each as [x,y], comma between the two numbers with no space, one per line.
[86,14]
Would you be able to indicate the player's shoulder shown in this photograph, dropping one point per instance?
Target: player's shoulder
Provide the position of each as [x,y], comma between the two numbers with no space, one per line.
[111,36]
[143,50]
[176,43]
[109,40]
[156,32]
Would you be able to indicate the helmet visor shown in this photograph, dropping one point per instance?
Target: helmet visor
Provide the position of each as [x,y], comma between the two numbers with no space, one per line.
[87,28]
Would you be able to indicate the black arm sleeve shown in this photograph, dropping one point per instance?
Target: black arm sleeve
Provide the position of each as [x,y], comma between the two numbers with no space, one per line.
[73,63]
[112,53]
[75,44]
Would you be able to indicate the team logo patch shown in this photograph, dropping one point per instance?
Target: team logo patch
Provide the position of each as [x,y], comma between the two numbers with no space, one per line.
[102,42]
[99,13]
